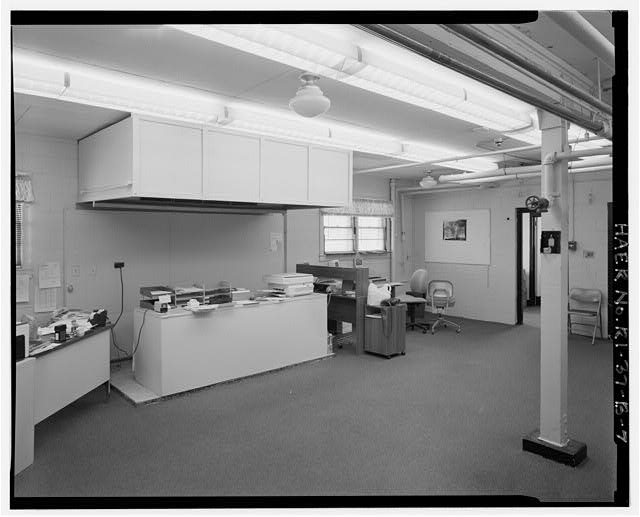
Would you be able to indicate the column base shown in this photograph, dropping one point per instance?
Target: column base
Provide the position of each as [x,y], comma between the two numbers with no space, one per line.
[571,454]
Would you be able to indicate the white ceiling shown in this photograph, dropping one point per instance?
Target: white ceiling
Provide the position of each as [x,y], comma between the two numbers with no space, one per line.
[173,56]
[60,119]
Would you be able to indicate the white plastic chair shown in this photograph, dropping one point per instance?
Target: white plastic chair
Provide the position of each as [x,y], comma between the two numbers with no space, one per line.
[587,304]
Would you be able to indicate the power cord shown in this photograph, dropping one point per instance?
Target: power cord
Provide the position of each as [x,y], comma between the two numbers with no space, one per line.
[144,317]
[113,335]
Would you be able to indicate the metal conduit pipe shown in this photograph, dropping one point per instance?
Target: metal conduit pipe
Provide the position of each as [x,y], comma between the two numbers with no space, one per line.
[464,157]
[392,34]
[575,24]
[491,45]
[550,159]
[529,174]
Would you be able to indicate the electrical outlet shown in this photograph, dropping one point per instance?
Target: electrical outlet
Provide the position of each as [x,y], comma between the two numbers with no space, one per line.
[588,254]
[75,271]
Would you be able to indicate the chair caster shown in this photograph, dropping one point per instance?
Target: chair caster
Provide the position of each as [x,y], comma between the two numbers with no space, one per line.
[403,353]
[458,331]
[424,331]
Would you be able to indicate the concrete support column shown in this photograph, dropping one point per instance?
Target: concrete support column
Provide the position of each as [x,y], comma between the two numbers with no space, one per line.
[552,438]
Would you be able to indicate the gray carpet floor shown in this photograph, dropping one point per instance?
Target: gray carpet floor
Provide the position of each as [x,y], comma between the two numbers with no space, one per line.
[446,419]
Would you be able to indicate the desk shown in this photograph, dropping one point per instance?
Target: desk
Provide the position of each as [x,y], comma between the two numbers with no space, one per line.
[181,351]
[345,308]
[70,370]
[52,379]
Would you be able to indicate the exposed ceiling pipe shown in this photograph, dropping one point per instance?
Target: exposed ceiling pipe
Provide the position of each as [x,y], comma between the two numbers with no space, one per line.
[412,191]
[489,44]
[574,155]
[463,157]
[395,34]
[575,24]
[571,156]
[511,175]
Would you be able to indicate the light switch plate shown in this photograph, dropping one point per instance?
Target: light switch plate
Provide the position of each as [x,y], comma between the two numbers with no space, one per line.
[75,271]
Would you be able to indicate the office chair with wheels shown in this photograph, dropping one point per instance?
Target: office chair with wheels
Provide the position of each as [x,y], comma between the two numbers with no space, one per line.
[416,297]
[440,297]
[586,304]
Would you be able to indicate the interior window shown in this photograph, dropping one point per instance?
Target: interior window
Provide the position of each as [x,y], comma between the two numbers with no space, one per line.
[338,234]
[347,234]
[371,233]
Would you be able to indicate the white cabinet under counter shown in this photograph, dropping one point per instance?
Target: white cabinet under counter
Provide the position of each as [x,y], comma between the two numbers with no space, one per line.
[180,351]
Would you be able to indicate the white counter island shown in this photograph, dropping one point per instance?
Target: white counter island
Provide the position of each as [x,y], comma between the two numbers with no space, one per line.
[180,351]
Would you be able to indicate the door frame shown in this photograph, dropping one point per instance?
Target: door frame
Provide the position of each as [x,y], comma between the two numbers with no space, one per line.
[532,262]
[519,308]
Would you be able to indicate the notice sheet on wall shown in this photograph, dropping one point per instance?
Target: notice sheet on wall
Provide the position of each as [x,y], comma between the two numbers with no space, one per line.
[49,275]
[46,300]
[22,288]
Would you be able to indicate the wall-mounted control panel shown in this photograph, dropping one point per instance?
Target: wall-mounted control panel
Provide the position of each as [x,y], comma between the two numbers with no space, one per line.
[550,242]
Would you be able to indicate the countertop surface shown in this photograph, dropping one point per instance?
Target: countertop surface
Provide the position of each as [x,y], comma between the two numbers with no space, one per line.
[52,346]
[241,305]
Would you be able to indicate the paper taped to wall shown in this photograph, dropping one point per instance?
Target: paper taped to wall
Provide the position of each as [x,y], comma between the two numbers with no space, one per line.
[46,300]
[49,275]
[22,288]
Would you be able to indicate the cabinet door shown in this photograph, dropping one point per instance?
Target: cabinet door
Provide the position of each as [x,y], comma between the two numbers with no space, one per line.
[329,177]
[170,160]
[283,173]
[231,167]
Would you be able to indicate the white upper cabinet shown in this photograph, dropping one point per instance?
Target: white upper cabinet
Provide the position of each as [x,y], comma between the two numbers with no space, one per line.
[170,160]
[146,157]
[284,176]
[329,176]
[231,167]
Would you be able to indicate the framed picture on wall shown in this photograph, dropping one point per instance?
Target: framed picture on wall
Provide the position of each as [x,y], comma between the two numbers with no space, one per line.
[458,236]
[454,230]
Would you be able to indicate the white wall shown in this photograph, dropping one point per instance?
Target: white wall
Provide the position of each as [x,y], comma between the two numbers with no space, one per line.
[303,230]
[157,248]
[489,292]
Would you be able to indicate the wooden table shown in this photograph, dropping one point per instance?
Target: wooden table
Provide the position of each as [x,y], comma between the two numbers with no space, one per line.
[342,307]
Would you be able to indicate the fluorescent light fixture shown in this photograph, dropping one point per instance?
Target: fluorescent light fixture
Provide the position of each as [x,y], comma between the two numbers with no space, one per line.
[55,78]
[278,123]
[44,76]
[329,58]
[303,47]
[270,122]
[588,140]
[422,153]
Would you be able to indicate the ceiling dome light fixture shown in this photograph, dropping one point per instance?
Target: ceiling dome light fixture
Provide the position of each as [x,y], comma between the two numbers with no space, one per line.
[428,181]
[309,100]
